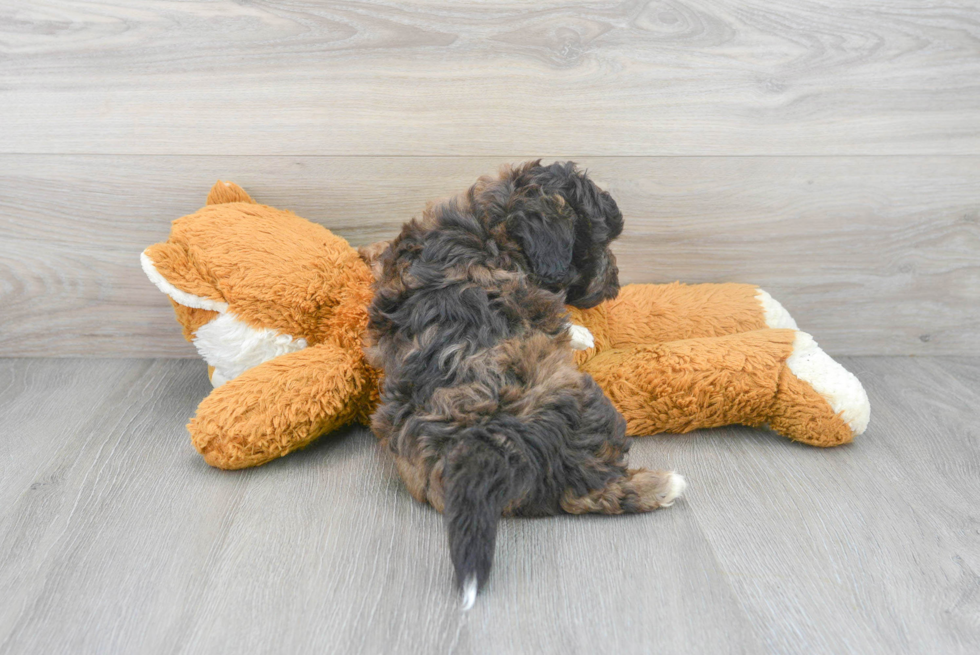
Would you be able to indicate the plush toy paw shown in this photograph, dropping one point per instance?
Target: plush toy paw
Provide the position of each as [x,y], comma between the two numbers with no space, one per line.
[774,314]
[280,406]
[818,402]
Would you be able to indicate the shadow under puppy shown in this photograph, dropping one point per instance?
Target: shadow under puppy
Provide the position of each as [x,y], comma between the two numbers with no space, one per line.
[481,403]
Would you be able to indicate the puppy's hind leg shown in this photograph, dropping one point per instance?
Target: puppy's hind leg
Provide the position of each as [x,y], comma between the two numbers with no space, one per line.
[611,487]
[640,490]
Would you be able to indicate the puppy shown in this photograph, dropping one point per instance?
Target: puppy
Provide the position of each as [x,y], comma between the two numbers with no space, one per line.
[481,403]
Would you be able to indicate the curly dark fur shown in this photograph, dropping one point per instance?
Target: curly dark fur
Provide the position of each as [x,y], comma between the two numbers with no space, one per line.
[482,404]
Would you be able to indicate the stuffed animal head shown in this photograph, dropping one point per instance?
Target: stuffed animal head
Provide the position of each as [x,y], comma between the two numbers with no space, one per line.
[250,282]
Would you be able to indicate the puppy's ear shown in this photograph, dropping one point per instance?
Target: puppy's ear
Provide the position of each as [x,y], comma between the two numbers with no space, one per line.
[544,229]
[372,255]
[604,220]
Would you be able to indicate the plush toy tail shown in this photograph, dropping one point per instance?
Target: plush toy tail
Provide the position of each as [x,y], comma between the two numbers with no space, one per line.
[223,192]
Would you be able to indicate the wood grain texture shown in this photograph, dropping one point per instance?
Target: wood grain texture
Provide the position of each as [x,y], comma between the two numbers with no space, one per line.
[684,77]
[880,541]
[872,255]
[119,539]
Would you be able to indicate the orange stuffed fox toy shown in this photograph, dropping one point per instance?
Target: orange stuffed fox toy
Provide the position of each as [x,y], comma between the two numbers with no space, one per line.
[277,306]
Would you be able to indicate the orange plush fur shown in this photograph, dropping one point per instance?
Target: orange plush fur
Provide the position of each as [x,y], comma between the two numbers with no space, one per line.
[277,306]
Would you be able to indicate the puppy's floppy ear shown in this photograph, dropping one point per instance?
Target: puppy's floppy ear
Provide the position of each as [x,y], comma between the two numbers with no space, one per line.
[544,229]
[604,220]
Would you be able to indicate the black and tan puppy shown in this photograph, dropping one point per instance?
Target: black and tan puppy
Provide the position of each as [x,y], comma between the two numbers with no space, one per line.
[482,404]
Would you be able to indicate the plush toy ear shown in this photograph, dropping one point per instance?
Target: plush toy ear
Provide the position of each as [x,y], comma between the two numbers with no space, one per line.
[545,231]
[171,269]
[223,192]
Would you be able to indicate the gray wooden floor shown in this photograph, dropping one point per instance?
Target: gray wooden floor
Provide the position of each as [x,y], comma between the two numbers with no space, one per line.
[116,538]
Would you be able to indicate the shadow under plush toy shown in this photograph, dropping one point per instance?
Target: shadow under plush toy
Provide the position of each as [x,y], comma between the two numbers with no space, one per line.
[277,306]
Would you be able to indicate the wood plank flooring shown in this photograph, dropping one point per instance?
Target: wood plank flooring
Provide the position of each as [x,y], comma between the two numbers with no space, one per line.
[115,537]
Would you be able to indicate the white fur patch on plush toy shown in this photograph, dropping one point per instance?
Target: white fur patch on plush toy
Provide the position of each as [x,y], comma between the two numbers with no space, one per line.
[775,314]
[226,343]
[232,347]
[836,384]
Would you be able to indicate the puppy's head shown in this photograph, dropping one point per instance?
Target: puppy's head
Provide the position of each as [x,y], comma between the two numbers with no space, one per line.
[564,224]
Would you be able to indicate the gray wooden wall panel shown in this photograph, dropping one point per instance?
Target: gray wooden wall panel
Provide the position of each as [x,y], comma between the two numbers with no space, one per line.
[116,538]
[873,255]
[690,77]
[829,151]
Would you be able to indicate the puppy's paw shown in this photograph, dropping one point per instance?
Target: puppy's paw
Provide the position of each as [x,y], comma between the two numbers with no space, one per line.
[581,337]
[672,490]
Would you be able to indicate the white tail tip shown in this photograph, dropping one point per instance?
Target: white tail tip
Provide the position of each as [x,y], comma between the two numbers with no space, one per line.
[469,593]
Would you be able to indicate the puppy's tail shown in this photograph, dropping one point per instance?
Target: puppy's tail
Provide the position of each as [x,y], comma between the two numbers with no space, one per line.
[479,482]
